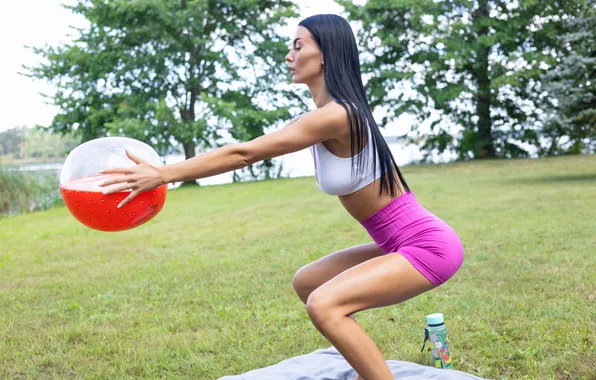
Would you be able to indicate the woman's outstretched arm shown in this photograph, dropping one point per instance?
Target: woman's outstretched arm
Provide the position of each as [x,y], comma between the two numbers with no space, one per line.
[316,126]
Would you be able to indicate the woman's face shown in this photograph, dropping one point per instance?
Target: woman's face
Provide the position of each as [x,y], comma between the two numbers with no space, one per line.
[305,59]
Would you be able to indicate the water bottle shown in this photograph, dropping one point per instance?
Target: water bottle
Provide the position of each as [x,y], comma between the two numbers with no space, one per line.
[436,333]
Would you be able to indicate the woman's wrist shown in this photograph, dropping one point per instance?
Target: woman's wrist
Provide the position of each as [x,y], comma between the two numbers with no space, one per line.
[165,175]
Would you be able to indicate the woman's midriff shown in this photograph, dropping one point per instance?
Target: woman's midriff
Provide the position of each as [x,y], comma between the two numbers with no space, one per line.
[367,201]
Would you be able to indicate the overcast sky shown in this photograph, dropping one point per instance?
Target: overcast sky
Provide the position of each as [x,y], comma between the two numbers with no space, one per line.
[46,22]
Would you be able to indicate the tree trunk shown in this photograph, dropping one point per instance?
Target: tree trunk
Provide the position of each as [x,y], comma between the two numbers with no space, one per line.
[189,152]
[189,146]
[485,147]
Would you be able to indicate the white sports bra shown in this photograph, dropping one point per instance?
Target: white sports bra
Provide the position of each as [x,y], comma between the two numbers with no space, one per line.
[334,174]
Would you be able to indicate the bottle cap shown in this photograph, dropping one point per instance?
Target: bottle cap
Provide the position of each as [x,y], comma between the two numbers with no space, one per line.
[435,319]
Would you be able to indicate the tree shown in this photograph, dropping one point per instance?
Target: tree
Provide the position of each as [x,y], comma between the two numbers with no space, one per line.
[572,85]
[12,142]
[42,145]
[168,72]
[473,67]
[26,143]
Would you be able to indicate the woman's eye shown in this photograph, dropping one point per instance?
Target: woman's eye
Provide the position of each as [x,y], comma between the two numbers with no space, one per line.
[297,48]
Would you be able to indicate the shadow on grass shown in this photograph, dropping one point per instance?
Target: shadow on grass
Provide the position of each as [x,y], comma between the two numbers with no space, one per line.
[555,179]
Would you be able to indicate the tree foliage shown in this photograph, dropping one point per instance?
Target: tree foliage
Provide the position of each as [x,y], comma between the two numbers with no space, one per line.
[572,85]
[171,73]
[470,70]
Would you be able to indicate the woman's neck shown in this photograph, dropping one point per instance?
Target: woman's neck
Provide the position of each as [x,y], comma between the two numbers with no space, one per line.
[319,94]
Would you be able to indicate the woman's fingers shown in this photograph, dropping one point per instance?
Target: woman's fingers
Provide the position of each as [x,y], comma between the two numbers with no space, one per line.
[128,199]
[123,182]
[115,170]
[134,158]
[137,160]
[112,181]
[117,188]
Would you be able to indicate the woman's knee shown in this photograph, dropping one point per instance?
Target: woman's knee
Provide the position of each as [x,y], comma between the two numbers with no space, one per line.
[301,284]
[320,307]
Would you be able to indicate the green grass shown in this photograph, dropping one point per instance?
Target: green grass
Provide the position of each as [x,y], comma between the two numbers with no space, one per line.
[204,289]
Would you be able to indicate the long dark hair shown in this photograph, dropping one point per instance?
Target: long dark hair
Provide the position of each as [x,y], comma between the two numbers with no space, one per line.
[343,79]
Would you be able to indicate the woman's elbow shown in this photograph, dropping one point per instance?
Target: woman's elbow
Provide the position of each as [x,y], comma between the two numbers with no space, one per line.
[256,150]
[245,155]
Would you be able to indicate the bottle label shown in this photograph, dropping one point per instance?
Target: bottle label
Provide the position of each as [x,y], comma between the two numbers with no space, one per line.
[440,348]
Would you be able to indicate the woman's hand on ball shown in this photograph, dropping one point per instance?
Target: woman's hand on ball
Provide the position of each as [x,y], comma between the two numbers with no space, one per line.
[139,178]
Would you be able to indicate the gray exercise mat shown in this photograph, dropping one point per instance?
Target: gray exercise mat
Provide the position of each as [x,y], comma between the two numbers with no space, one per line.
[328,364]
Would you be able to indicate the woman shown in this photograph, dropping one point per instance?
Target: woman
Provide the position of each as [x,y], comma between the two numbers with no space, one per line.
[413,250]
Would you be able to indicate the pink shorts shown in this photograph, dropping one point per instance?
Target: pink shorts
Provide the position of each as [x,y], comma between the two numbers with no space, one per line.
[427,242]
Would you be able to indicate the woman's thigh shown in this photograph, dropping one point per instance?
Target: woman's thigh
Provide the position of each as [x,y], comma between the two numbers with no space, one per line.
[311,276]
[383,281]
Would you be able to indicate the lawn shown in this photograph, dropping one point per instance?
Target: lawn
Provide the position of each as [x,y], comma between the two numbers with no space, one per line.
[205,288]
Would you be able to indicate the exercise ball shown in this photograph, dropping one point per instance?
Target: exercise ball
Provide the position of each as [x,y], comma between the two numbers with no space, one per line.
[80,178]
